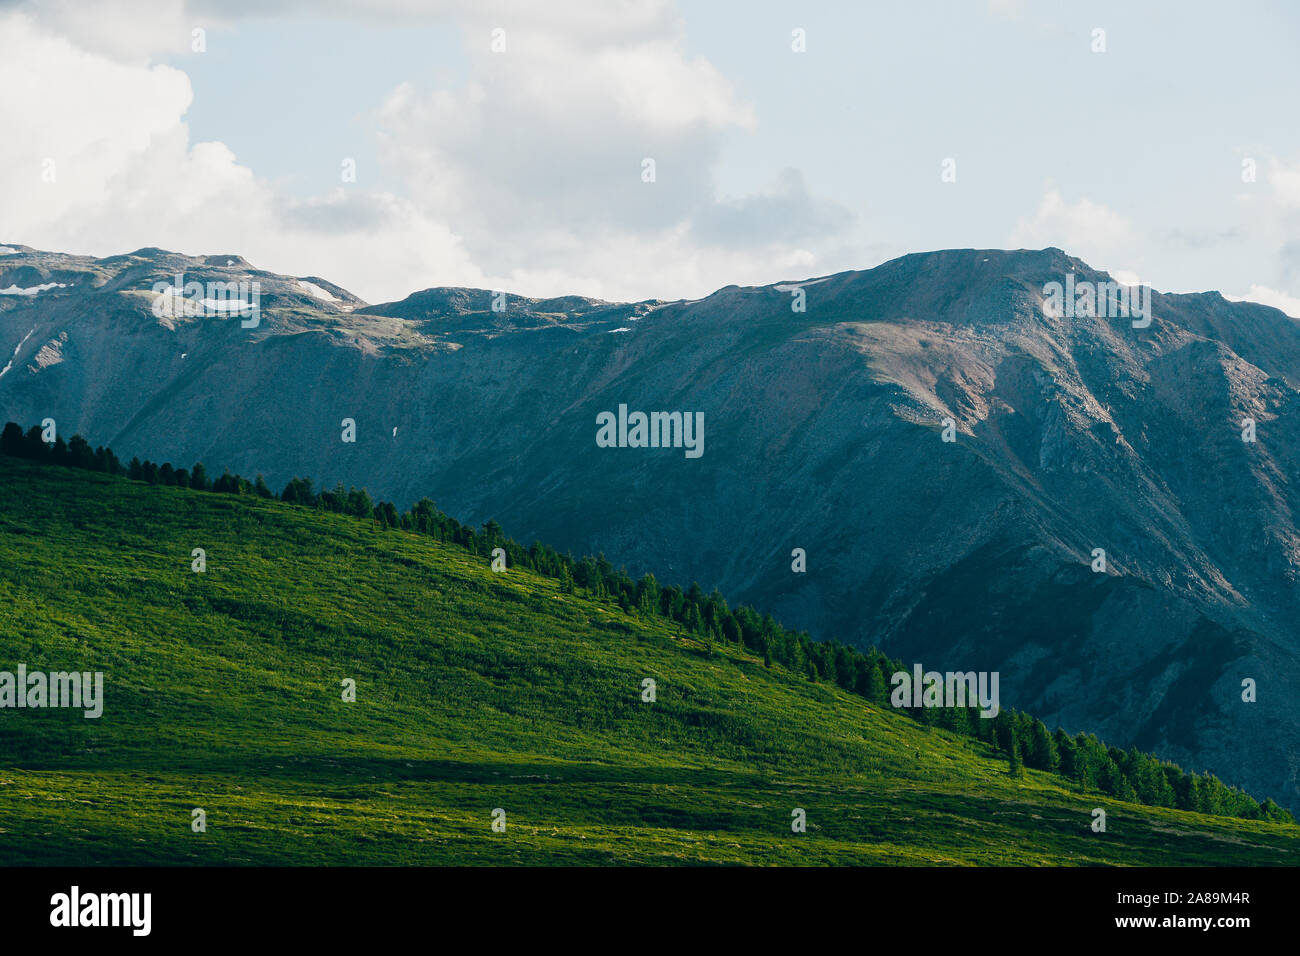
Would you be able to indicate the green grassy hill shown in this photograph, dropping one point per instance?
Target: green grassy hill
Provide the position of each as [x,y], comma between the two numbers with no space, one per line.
[475,691]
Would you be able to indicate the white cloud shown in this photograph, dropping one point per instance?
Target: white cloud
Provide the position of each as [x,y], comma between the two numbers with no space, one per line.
[786,209]
[1284,180]
[125,175]
[1089,230]
[547,140]
[75,117]
[126,30]
[527,176]
[1265,296]
[1271,217]
[1010,9]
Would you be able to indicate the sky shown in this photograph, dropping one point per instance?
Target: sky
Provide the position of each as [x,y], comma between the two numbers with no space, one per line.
[393,145]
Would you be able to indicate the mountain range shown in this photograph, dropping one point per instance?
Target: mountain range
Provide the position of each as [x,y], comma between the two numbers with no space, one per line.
[942,455]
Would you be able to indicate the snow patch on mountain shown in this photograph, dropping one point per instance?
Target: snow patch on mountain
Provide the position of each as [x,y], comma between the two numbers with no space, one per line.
[17,349]
[14,290]
[312,288]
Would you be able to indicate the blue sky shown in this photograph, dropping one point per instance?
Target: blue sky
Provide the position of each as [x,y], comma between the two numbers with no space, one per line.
[521,169]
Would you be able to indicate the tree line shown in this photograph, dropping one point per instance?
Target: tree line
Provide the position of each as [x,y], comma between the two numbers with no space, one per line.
[1025,741]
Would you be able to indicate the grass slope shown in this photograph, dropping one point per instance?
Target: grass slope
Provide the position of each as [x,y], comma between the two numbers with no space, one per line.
[475,691]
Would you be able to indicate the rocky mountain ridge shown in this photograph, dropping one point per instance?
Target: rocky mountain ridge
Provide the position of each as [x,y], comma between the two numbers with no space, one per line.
[824,432]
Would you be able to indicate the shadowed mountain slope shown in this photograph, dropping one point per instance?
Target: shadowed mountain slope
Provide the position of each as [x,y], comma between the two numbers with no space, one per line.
[822,431]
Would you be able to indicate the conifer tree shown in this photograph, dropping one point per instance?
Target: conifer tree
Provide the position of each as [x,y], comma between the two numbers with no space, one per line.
[1016,763]
[877,690]
[34,446]
[11,439]
[1042,750]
